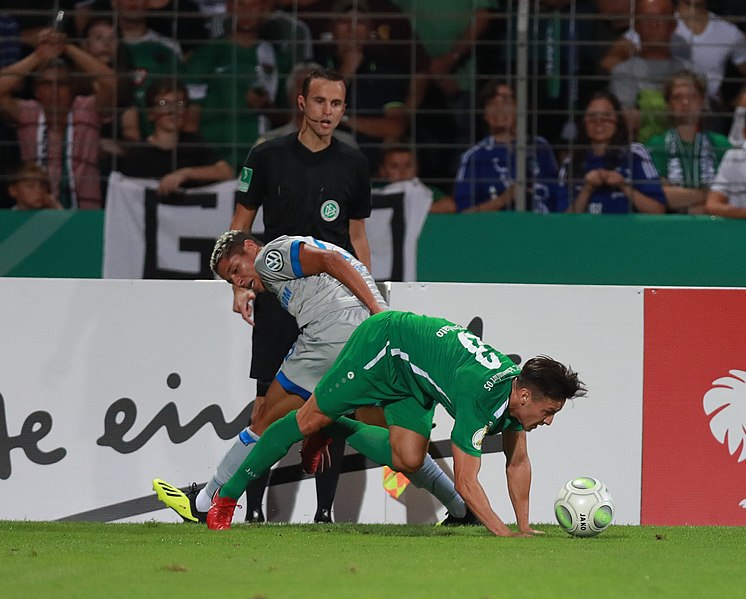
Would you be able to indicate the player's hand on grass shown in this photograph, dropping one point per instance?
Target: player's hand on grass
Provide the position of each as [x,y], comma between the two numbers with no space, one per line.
[243,303]
[528,532]
[509,533]
[531,532]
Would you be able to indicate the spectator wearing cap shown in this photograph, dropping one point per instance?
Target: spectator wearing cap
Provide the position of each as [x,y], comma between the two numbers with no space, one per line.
[30,189]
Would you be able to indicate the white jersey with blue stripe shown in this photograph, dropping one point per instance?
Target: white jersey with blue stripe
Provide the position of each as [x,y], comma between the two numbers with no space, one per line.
[308,298]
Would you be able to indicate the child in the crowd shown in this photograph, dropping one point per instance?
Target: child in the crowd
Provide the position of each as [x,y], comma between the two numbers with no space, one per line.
[31,190]
[399,163]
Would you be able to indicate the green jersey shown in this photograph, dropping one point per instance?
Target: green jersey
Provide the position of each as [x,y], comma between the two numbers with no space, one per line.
[688,164]
[218,75]
[408,363]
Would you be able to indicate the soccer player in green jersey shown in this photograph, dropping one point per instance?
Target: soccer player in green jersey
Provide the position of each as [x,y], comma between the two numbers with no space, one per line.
[407,364]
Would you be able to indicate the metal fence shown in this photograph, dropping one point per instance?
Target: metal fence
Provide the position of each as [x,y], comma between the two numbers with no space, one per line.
[421,70]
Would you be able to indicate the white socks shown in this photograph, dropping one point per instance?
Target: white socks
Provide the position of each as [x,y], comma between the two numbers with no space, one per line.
[431,478]
[227,467]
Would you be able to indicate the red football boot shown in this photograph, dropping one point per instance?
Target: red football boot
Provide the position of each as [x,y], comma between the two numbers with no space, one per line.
[314,452]
[221,512]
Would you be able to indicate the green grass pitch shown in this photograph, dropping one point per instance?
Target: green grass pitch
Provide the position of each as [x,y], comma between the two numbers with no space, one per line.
[91,560]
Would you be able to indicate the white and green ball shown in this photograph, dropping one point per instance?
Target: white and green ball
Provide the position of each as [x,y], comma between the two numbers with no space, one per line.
[584,507]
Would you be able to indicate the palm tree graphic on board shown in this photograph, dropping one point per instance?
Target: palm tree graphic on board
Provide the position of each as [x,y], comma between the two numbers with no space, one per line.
[725,404]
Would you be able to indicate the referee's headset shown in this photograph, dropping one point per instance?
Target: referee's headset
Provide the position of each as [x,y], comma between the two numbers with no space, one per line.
[302,105]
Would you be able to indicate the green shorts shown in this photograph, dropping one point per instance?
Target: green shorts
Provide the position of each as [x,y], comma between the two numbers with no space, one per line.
[366,374]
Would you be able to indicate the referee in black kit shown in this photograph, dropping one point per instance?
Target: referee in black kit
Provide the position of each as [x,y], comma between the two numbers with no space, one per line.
[309,183]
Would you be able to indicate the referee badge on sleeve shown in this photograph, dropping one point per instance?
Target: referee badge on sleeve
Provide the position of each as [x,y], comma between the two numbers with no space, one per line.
[245,180]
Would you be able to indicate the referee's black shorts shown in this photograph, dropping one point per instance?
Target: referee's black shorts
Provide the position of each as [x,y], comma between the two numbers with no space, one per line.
[275,331]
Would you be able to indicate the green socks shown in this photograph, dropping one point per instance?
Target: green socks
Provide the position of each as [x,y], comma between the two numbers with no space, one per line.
[372,441]
[272,446]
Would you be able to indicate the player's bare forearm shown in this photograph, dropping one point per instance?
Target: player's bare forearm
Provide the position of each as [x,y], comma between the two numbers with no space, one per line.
[518,474]
[475,497]
[519,485]
[359,239]
[466,473]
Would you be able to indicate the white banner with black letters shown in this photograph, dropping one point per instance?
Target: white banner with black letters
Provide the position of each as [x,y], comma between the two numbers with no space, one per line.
[394,227]
[149,236]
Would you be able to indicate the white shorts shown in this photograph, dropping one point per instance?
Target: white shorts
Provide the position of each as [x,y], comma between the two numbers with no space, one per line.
[315,350]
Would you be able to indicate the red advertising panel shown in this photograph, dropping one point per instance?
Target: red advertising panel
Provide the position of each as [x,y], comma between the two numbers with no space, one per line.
[694,407]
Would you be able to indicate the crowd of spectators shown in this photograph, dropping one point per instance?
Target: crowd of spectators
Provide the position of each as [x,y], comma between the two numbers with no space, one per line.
[629,106]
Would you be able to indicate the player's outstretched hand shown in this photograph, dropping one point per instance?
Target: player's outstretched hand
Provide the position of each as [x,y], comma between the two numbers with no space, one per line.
[243,303]
[530,532]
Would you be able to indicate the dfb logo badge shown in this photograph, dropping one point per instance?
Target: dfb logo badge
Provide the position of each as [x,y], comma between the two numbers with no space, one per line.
[273,261]
[329,210]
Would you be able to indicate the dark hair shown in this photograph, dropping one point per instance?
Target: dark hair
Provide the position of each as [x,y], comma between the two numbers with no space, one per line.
[551,379]
[395,148]
[161,86]
[97,20]
[300,68]
[489,90]
[321,73]
[228,244]
[54,64]
[617,148]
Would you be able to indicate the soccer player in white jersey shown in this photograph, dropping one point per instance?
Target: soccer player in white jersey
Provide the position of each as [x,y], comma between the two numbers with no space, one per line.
[329,292]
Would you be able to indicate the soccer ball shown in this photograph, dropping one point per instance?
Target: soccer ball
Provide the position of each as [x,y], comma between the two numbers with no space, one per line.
[584,507]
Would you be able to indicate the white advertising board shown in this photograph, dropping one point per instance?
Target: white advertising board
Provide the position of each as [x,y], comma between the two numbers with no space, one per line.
[105,385]
[116,368]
